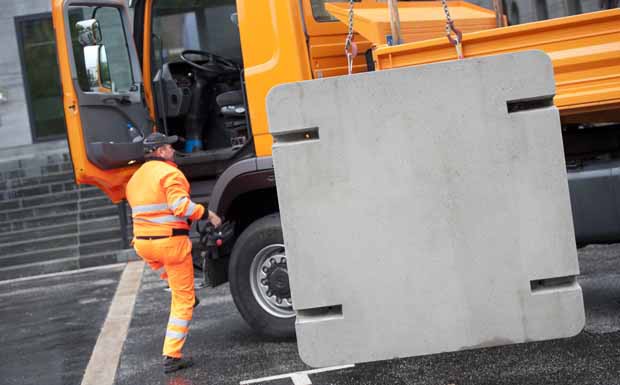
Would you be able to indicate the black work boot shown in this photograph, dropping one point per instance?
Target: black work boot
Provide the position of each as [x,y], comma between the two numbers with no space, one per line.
[172,364]
[196,301]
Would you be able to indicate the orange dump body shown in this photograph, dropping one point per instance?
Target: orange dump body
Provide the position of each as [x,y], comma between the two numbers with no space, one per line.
[584,49]
[420,20]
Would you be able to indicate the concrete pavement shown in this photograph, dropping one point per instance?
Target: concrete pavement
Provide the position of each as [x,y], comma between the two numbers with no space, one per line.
[49,325]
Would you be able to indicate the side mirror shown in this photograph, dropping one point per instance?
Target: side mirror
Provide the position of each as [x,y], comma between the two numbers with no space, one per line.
[97,68]
[89,32]
[103,68]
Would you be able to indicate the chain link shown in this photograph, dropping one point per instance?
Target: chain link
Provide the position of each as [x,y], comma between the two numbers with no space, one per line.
[444,3]
[348,45]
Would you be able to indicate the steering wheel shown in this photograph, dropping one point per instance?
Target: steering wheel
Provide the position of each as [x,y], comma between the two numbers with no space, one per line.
[215,64]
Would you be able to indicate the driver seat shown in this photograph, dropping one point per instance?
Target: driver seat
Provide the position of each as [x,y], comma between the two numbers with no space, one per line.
[230,99]
[232,107]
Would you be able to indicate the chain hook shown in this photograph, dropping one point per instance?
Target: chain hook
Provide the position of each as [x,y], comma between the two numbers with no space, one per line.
[450,28]
[350,48]
[457,40]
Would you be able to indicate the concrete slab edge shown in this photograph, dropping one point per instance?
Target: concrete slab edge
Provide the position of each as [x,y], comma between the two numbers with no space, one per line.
[101,369]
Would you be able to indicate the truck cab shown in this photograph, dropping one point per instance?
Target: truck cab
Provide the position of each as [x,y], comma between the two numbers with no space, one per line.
[199,69]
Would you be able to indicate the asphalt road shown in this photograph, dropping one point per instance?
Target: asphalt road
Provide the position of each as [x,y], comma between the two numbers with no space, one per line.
[227,351]
[49,327]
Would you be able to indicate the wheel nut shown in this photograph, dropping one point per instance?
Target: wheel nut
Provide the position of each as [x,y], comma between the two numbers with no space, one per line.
[265,269]
[263,281]
[279,300]
[272,261]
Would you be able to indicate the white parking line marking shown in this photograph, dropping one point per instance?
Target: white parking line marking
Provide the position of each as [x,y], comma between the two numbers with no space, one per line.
[60,273]
[103,363]
[301,379]
[296,376]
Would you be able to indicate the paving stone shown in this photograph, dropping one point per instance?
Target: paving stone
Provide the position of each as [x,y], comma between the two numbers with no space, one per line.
[49,198]
[38,256]
[37,244]
[44,267]
[97,236]
[33,234]
[24,213]
[98,260]
[103,225]
[56,209]
[33,191]
[106,211]
[98,247]
[10,205]
[94,203]
[58,219]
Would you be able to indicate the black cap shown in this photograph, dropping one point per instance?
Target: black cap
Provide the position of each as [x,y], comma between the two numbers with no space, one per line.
[157,139]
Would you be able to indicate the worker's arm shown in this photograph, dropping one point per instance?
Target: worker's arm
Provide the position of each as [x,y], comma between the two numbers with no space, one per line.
[177,197]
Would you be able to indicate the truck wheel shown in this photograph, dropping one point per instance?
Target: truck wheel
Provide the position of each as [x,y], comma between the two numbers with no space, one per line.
[258,276]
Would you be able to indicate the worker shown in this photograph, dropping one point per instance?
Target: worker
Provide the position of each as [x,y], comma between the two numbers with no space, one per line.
[162,211]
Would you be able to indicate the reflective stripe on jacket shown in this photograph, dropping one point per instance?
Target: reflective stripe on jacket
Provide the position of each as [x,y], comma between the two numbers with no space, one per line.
[158,194]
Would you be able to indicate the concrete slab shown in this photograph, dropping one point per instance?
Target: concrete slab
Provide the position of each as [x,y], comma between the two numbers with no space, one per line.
[426,209]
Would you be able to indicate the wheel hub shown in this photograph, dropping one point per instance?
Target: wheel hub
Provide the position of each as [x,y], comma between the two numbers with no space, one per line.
[277,280]
[269,281]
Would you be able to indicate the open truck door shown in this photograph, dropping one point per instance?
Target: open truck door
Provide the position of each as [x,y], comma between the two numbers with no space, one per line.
[102,92]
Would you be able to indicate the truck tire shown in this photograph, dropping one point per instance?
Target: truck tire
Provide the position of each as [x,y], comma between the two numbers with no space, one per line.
[258,278]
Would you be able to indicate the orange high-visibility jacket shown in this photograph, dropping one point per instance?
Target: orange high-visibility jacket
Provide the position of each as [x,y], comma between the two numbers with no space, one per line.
[158,194]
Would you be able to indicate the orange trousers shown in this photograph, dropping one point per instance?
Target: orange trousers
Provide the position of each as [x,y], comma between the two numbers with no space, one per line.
[173,254]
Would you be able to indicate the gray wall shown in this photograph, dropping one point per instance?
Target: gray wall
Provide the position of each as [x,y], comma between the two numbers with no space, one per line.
[14,121]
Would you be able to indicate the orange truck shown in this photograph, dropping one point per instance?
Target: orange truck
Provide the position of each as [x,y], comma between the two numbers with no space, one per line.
[201,69]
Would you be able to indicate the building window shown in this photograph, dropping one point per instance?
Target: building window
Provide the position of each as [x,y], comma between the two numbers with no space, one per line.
[541,10]
[320,13]
[43,89]
[513,16]
[573,7]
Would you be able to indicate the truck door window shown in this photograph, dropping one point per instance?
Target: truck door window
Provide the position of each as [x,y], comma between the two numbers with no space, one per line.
[103,63]
[319,12]
[195,24]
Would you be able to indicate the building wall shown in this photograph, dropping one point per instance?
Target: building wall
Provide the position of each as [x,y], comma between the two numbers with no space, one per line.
[14,120]
[15,125]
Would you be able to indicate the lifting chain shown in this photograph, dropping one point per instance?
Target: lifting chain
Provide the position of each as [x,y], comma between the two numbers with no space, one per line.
[350,48]
[457,40]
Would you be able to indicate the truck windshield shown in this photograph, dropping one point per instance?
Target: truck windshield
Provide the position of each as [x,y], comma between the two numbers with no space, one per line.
[206,25]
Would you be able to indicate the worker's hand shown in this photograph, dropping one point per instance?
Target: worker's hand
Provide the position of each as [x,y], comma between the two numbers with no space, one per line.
[214,219]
